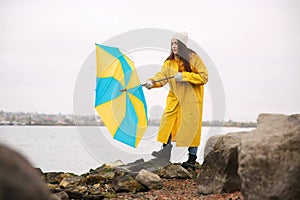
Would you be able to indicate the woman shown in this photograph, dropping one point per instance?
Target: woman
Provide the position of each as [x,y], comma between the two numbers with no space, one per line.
[182,117]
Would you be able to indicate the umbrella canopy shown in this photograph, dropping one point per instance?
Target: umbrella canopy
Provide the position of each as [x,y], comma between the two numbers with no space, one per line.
[124,112]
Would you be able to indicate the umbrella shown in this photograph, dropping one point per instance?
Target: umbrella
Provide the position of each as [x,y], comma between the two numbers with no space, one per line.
[124,113]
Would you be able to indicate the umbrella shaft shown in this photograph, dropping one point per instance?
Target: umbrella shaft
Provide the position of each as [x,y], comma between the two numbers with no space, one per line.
[163,79]
[123,90]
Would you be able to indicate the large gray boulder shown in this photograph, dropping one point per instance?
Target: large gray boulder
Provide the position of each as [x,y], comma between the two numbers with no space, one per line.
[219,170]
[269,159]
[18,179]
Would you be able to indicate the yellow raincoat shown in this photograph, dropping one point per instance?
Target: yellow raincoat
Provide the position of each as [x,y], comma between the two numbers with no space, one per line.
[182,116]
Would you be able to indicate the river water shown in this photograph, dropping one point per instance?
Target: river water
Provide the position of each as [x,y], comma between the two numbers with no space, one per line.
[78,149]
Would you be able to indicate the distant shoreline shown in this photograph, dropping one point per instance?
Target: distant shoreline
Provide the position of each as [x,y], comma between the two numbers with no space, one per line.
[41,119]
[82,125]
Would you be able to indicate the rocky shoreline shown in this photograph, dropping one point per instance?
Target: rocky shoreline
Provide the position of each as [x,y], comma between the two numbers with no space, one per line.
[119,181]
[261,164]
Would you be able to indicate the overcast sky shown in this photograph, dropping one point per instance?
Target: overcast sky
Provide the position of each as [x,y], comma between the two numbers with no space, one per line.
[254,45]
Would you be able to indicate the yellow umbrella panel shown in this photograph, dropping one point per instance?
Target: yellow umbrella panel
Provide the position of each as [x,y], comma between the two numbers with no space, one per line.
[123,113]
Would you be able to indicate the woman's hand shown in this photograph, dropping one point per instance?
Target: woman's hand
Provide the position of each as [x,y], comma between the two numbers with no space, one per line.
[178,77]
[148,84]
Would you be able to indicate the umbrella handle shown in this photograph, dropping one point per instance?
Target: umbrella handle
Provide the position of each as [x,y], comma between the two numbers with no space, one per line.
[163,79]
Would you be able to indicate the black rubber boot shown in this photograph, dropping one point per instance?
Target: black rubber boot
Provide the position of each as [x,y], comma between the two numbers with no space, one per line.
[190,163]
[164,153]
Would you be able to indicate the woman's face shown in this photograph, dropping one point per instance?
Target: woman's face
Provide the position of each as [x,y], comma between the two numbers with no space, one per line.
[174,46]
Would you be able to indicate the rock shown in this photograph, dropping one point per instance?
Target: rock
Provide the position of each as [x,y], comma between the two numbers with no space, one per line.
[174,171]
[76,192]
[70,182]
[18,179]
[52,177]
[130,167]
[60,196]
[127,184]
[99,178]
[54,188]
[115,164]
[95,189]
[210,143]
[219,169]
[269,160]
[108,167]
[109,175]
[149,179]
[81,189]
[152,165]
[60,177]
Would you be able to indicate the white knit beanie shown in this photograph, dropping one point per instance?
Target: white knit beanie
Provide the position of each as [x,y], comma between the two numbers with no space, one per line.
[182,36]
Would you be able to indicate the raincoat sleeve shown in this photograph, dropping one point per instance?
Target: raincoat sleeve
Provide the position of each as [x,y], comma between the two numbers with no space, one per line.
[199,73]
[163,73]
